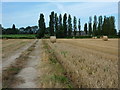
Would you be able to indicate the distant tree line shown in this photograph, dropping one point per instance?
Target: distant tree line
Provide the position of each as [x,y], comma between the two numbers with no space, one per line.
[66,27]
[22,30]
[59,26]
[104,26]
[12,30]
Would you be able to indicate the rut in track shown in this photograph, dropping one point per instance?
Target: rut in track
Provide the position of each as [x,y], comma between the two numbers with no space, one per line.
[6,62]
[27,77]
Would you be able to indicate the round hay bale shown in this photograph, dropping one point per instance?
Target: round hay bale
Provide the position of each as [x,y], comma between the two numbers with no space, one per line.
[53,39]
[95,37]
[105,38]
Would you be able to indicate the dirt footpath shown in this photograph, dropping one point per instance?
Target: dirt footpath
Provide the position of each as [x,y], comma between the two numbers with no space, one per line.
[27,77]
[7,61]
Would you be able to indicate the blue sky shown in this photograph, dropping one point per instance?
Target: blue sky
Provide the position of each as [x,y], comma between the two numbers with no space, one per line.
[24,14]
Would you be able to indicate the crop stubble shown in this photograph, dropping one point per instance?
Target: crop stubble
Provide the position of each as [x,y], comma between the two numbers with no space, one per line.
[89,63]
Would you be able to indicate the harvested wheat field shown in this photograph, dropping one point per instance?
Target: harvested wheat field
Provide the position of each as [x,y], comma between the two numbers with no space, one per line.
[89,63]
[67,63]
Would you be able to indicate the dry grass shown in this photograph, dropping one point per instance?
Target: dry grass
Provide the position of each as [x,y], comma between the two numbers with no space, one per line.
[51,73]
[89,63]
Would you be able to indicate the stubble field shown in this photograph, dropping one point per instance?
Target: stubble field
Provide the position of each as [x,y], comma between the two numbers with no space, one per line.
[90,63]
[83,63]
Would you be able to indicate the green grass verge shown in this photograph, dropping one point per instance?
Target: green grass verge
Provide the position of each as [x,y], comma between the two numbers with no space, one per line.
[58,75]
[19,36]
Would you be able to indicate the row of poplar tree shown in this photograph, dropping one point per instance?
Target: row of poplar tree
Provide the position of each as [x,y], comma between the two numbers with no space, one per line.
[63,26]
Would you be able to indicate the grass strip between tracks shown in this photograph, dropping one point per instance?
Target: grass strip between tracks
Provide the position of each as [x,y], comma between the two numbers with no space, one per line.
[59,74]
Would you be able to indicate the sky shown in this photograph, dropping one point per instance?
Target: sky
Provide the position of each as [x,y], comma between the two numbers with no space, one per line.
[24,14]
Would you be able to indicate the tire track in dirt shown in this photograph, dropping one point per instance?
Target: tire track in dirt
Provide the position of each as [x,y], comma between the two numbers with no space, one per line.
[15,45]
[11,59]
[28,75]
[14,68]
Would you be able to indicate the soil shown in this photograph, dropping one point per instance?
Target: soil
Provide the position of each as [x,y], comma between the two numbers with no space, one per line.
[10,58]
[28,74]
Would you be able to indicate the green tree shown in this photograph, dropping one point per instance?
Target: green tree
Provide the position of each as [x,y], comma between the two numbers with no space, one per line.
[75,25]
[79,27]
[90,26]
[60,26]
[112,26]
[69,25]
[28,30]
[100,23]
[56,25]
[42,28]
[85,28]
[65,25]
[109,26]
[119,33]
[51,23]
[95,26]
[104,26]
[14,30]
[13,27]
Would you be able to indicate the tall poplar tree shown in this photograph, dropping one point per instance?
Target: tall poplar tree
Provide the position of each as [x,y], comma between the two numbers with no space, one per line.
[56,25]
[69,25]
[100,23]
[90,26]
[65,25]
[75,25]
[112,26]
[51,24]
[79,27]
[104,26]
[85,28]
[60,26]
[42,28]
[95,26]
